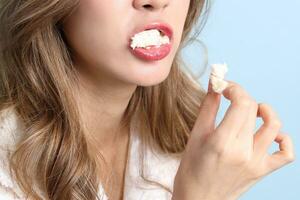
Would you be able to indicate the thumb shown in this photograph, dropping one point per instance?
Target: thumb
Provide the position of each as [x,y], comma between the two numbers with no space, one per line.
[209,107]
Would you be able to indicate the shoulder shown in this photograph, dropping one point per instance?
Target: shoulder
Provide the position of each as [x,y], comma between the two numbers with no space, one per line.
[10,128]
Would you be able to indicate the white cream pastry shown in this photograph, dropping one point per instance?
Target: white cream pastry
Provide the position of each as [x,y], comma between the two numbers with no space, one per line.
[149,37]
[217,75]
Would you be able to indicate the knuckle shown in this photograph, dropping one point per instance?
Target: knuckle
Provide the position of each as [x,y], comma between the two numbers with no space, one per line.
[236,158]
[244,102]
[235,89]
[275,124]
[218,148]
[286,137]
[243,159]
[254,104]
[265,105]
[232,90]
[232,83]
[290,157]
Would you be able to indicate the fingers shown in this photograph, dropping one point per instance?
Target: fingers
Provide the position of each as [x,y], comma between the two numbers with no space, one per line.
[248,127]
[266,134]
[245,134]
[205,122]
[285,154]
[238,111]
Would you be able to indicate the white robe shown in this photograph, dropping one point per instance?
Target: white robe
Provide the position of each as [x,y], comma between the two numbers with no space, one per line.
[158,167]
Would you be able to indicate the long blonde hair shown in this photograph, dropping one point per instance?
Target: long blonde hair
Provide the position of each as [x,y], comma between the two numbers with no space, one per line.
[37,74]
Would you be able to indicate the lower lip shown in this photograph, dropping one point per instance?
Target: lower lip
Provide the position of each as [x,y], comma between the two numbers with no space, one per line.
[153,53]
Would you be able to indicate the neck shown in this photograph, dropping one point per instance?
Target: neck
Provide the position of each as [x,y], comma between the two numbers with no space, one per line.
[102,102]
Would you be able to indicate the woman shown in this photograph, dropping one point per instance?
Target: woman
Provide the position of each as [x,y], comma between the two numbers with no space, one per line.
[84,109]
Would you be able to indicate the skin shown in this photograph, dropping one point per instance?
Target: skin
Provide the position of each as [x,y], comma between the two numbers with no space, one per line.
[225,161]
[222,162]
[98,33]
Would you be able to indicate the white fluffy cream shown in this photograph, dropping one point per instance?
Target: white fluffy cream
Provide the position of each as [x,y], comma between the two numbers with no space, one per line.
[218,72]
[149,37]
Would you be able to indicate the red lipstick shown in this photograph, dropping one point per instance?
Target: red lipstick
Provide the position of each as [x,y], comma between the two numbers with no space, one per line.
[153,52]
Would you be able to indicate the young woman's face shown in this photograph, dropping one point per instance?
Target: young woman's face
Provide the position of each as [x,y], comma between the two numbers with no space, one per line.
[99,33]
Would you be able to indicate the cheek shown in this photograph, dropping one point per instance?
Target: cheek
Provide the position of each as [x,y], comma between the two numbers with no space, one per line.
[92,30]
[181,14]
[177,17]
[97,35]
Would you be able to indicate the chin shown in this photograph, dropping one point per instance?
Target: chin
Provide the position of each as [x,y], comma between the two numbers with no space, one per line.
[149,83]
[143,73]
[151,74]
[151,80]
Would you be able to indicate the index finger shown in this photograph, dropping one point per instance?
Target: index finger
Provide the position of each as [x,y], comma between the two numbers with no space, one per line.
[238,110]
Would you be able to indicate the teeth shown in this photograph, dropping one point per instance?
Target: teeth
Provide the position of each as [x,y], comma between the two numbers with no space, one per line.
[149,37]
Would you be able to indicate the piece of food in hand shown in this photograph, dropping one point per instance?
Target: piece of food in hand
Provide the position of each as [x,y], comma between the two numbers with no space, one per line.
[217,75]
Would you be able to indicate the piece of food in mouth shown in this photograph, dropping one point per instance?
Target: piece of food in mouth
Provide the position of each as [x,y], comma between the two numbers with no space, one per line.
[147,38]
[217,75]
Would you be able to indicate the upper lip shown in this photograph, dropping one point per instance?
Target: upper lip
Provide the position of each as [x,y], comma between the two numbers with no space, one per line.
[163,27]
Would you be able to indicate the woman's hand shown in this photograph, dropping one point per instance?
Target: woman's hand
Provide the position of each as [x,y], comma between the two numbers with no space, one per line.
[222,163]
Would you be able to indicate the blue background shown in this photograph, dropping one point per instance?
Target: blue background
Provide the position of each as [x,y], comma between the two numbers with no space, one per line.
[259,40]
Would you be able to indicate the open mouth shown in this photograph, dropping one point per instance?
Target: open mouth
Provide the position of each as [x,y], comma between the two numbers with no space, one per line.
[152,42]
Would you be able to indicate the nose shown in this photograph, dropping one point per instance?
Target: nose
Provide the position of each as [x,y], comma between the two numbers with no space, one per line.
[151,5]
